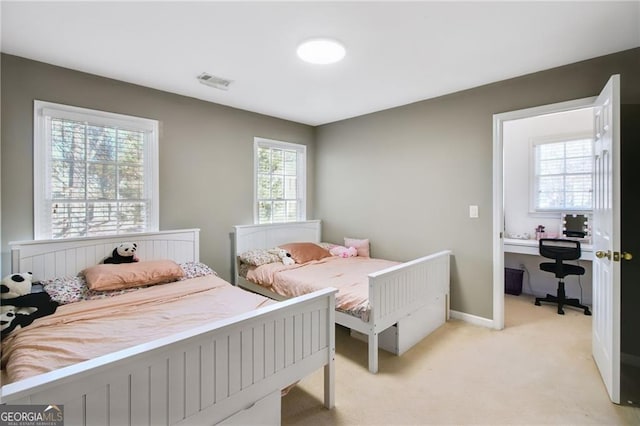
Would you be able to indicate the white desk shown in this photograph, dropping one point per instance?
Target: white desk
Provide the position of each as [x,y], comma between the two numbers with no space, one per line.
[512,245]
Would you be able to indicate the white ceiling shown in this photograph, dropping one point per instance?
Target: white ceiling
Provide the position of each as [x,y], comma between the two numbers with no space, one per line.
[397,53]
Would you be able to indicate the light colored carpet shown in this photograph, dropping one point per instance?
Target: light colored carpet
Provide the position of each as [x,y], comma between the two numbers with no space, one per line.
[538,370]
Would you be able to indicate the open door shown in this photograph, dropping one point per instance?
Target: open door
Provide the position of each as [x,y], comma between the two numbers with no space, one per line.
[606,237]
[606,227]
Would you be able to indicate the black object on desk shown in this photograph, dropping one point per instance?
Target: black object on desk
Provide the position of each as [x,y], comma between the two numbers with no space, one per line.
[575,225]
[561,250]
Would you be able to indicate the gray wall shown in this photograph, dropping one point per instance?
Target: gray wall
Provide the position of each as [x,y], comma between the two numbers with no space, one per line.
[405,177]
[206,152]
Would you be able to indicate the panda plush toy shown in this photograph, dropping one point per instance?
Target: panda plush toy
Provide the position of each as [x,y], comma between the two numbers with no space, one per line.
[124,253]
[19,307]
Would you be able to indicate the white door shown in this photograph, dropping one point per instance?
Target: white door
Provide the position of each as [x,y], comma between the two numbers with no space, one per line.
[606,237]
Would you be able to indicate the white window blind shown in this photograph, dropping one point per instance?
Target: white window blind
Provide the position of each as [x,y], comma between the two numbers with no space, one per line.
[280,170]
[563,175]
[95,173]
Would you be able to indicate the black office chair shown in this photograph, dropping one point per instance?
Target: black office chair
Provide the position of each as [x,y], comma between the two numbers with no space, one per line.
[561,250]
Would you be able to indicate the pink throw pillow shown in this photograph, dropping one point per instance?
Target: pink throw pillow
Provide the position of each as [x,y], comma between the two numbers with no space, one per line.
[127,275]
[361,245]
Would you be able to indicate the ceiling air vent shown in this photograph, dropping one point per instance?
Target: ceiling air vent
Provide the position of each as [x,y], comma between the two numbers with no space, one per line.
[213,81]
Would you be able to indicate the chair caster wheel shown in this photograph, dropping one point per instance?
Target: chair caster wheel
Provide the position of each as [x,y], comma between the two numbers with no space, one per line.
[587,312]
[537,303]
[560,312]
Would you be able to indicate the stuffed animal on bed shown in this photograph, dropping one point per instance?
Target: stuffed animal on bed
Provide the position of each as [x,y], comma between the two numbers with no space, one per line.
[341,251]
[15,285]
[124,253]
[7,315]
[285,256]
[18,306]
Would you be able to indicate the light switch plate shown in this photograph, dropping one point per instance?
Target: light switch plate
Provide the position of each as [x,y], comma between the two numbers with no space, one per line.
[473,211]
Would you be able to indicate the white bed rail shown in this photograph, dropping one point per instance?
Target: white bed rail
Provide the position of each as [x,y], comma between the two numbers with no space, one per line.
[397,292]
[400,290]
[191,377]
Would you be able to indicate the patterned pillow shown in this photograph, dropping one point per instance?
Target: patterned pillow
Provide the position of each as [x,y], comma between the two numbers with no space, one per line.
[66,290]
[258,257]
[104,294]
[195,270]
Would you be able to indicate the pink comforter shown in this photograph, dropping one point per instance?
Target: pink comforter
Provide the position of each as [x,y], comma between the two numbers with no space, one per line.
[348,275]
[88,329]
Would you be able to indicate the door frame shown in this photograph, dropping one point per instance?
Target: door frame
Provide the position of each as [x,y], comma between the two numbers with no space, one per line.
[498,191]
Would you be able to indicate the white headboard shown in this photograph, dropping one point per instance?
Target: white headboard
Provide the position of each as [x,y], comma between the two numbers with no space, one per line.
[249,237]
[48,259]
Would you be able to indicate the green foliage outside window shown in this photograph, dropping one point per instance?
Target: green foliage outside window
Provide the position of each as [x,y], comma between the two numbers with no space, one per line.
[97,179]
[277,184]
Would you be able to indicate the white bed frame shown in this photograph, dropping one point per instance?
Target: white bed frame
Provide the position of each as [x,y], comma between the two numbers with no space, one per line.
[226,372]
[407,301]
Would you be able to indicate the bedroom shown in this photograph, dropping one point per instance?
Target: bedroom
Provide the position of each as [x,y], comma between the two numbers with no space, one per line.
[206,159]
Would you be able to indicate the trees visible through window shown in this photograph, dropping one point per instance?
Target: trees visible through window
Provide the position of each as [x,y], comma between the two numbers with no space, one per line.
[563,175]
[96,172]
[280,170]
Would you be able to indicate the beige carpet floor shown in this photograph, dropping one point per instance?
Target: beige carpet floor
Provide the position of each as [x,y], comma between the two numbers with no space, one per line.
[538,370]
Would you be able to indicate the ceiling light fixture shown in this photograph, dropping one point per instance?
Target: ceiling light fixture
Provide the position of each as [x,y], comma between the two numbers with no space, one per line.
[321,51]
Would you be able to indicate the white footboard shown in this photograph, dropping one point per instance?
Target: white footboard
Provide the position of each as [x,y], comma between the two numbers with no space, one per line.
[198,377]
[397,291]
[412,296]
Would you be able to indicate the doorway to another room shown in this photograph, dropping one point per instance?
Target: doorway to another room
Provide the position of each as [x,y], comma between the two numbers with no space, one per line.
[519,121]
[604,228]
[548,173]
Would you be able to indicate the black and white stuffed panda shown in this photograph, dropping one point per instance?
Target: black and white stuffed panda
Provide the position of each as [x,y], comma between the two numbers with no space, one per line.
[19,307]
[124,253]
[7,317]
[15,285]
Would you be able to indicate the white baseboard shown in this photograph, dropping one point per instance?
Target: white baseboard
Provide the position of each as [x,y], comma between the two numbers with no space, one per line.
[471,319]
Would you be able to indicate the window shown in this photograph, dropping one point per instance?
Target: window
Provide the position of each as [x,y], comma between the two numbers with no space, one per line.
[95,173]
[563,174]
[280,170]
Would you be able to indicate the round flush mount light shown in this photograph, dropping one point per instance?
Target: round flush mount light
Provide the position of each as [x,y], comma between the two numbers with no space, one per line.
[321,51]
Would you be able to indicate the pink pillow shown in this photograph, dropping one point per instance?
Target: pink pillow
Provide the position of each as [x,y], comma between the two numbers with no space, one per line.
[125,275]
[305,252]
[362,246]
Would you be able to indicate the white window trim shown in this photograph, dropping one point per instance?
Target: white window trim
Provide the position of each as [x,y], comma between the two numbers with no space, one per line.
[42,111]
[532,172]
[302,176]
